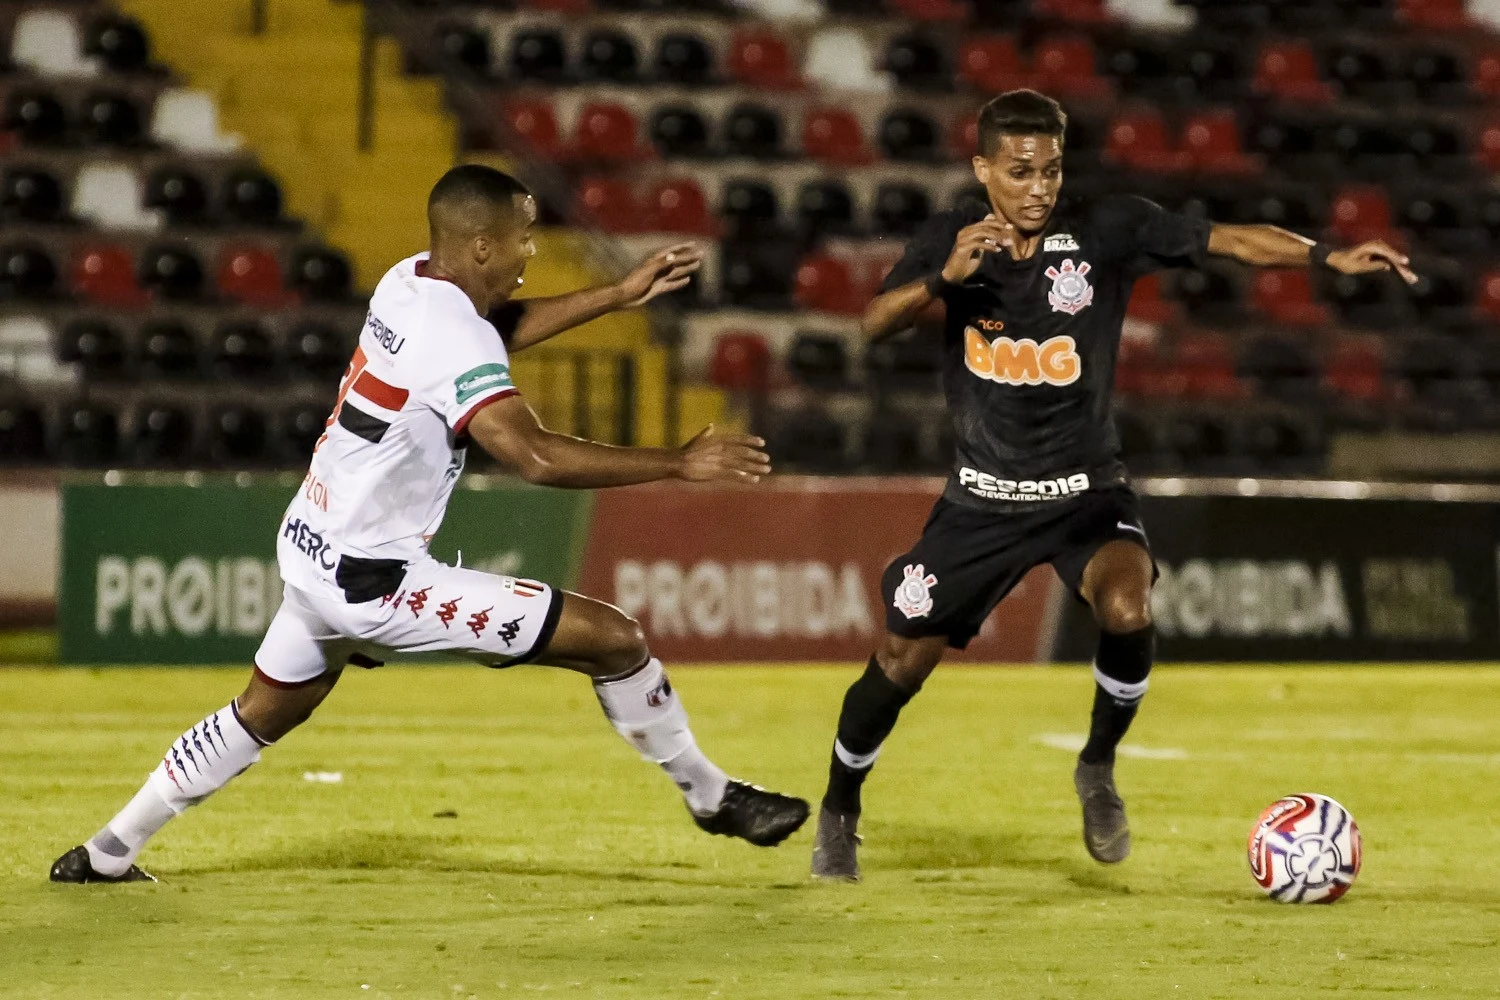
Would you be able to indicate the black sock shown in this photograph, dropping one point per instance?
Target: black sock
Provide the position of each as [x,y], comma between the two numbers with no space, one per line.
[1123,664]
[871,706]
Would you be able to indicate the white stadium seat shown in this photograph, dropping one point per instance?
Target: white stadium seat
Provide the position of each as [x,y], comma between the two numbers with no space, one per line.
[841,59]
[109,195]
[26,353]
[788,11]
[47,42]
[189,120]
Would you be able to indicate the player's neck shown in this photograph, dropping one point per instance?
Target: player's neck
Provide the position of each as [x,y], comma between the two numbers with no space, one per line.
[433,268]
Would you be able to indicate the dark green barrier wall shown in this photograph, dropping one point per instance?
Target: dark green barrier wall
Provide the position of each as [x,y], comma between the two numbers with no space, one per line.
[182,569]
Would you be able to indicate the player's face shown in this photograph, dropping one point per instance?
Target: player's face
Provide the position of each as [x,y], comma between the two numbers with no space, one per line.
[510,247]
[1023,178]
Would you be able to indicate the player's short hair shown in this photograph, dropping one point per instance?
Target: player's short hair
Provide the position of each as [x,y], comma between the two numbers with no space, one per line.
[475,185]
[1019,112]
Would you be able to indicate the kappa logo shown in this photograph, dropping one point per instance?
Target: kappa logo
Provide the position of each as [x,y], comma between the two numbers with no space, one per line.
[417,601]
[478,620]
[509,630]
[1071,293]
[448,610]
[914,593]
[1022,362]
[1059,242]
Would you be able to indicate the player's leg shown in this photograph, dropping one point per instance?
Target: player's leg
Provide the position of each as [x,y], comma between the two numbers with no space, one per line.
[214,750]
[601,641]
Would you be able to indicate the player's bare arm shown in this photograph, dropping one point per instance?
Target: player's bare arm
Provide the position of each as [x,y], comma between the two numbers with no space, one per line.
[665,271]
[509,430]
[896,310]
[1272,246]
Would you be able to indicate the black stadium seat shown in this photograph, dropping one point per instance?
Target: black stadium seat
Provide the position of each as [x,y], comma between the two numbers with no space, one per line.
[819,361]
[168,349]
[119,41]
[684,59]
[89,435]
[94,345]
[908,135]
[538,54]
[902,363]
[301,426]
[892,442]
[238,435]
[610,56]
[321,274]
[23,433]
[30,194]
[317,351]
[252,197]
[173,272]
[679,130]
[463,48]
[917,63]
[825,207]
[36,115]
[749,206]
[241,350]
[110,119]
[26,271]
[757,274]
[809,440]
[1282,367]
[179,193]
[754,131]
[900,209]
[163,436]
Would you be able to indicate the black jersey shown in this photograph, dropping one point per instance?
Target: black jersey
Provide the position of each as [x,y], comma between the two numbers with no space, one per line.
[1029,345]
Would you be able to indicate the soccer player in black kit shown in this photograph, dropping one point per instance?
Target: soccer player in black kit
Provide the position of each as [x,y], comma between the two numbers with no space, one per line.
[1035,299]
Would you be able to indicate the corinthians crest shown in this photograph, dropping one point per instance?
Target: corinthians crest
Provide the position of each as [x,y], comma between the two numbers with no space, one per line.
[914,593]
[1071,293]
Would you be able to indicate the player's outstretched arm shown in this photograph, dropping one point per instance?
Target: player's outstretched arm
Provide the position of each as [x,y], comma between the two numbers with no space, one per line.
[664,271]
[1272,246]
[509,430]
[894,311]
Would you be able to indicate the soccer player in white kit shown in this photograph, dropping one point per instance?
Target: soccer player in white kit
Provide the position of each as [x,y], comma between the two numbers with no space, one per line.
[430,376]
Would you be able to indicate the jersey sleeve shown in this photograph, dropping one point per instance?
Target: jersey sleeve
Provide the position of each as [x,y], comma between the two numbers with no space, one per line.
[926,251]
[1147,237]
[475,372]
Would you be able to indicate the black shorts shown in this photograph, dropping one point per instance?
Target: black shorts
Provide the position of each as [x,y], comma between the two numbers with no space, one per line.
[967,560]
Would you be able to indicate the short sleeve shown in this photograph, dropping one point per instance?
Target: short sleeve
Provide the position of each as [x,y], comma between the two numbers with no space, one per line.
[1149,237]
[927,250]
[475,372]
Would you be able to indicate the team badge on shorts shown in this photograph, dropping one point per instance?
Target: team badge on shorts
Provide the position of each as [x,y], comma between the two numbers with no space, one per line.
[1071,293]
[914,595]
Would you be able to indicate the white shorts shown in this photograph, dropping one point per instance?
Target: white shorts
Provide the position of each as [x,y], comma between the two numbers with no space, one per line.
[498,620]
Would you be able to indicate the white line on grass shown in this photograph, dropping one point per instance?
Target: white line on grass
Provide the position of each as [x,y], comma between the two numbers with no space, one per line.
[1073,742]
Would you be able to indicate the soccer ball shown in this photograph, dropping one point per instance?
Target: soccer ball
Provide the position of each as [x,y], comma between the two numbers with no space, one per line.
[1305,848]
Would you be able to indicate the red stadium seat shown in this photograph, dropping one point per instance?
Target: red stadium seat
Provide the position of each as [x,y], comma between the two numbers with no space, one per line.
[607,131]
[1361,212]
[1487,149]
[991,64]
[964,142]
[1289,71]
[679,206]
[534,123]
[1133,365]
[741,362]
[1206,364]
[1484,77]
[1487,301]
[1356,370]
[1434,15]
[1147,303]
[833,135]
[824,284]
[762,59]
[251,275]
[1138,140]
[1091,12]
[1212,142]
[1065,67]
[1286,297]
[932,10]
[608,203]
[104,275]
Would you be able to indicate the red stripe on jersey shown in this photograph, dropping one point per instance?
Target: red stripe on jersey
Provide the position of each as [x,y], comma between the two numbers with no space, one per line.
[380,393]
[463,421]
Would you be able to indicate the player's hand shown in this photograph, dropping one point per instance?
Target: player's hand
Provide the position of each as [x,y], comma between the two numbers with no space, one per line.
[1376,255]
[987,236]
[711,456]
[662,272]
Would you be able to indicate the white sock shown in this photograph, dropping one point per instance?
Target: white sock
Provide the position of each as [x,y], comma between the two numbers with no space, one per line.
[645,710]
[200,763]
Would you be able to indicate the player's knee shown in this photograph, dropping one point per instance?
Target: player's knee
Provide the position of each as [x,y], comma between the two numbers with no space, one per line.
[1122,610]
[907,662]
[622,645]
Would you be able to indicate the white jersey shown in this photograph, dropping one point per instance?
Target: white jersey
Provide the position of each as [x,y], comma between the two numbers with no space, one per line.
[385,467]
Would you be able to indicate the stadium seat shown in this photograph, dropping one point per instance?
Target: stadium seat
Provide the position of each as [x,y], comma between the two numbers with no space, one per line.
[188,121]
[171,271]
[607,131]
[104,275]
[1147,303]
[1437,75]
[825,207]
[683,58]
[23,434]
[168,349]
[741,362]
[1288,71]
[321,274]
[46,42]
[609,56]
[833,136]
[179,194]
[238,435]
[679,130]
[1425,363]
[1487,149]
[840,59]
[608,203]
[1138,140]
[899,209]
[937,11]
[108,195]
[818,361]
[316,350]
[1292,207]
[1286,297]
[991,64]
[825,284]
[301,427]
[30,194]
[534,125]
[1064,66]
[917,63]
[1207,367]
[757,275]
[463,48]
[108,119]
[964,142]
[678,205]
[1083,12]
[902,363]
[26,272]
[538,54]
[36,116]
[117,41]
[1487,296]
[892,442]
[1484,72]
[1211,141]
[1281,443]
[1215,70]
[251,275]
[761,59]
[1434,15]
[808,440]
[908,135]
[163,436]
[89,435]
[1282,368]
[1355,370]
[1359,72]
[1140,440]
[749,206]
[241,350]
[754,131]
[1200,441]
[1444,297]
[251,197]
[1142,65]
[1209,295]
[95,346]
[1360,213]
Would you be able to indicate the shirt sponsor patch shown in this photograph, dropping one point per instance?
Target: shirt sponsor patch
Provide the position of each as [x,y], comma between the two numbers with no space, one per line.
[482,379]
[989,487]
[1059,242]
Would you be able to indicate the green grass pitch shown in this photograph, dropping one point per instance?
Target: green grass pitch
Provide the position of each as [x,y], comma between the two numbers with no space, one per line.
[571,868]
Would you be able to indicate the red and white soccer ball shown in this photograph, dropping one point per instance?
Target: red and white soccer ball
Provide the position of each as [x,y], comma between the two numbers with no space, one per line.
[1305,848]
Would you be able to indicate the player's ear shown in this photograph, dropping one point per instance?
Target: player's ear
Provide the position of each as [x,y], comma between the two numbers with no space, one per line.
[481,249]
[981,169]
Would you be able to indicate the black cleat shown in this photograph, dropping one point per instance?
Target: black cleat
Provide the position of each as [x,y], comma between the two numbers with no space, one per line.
[835,851]
[1106,833]
[754,814]
[75,867]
